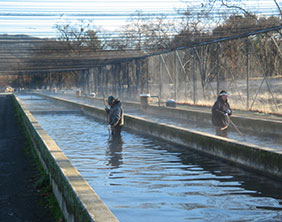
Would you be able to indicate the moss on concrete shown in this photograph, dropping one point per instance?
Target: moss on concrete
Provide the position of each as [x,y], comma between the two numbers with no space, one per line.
[42,182]
[43,186]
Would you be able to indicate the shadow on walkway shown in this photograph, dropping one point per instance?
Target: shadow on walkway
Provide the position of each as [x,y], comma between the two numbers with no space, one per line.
[19,199]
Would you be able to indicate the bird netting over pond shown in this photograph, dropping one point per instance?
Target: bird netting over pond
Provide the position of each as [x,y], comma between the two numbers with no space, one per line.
[249,68]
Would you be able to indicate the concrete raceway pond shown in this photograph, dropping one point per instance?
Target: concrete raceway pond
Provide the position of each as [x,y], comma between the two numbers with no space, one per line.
[145,179]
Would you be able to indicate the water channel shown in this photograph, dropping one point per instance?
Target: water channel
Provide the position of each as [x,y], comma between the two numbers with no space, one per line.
[271,141]
[144,179]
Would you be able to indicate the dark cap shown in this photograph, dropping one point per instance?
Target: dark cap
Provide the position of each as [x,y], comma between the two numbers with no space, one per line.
[110,99]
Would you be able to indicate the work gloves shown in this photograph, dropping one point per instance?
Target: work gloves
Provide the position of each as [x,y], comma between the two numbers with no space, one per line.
[227,112]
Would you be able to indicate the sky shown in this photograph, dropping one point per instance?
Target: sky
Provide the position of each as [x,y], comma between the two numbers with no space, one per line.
[38,17]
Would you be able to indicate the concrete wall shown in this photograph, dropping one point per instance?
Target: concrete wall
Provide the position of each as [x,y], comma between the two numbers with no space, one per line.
[264,160]
[251,124]
[261,124]
[77,200]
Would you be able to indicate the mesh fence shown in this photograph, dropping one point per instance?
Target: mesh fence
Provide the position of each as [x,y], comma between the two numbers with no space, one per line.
[249,68]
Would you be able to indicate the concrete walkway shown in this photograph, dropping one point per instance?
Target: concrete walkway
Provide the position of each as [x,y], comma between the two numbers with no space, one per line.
[19,200]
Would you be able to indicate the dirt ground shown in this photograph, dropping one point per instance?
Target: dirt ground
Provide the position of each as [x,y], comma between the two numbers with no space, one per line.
[19,199]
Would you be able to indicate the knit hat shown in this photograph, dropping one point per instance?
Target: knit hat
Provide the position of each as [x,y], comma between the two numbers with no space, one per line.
[110,99]
[223,93]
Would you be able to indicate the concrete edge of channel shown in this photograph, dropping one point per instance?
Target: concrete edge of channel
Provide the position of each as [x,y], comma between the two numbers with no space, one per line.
[264,160]
[270,127]
[259,124]
[76,198]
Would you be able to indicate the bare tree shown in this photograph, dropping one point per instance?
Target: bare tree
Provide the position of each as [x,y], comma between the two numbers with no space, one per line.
[146,33]
[236,5]
[79,37]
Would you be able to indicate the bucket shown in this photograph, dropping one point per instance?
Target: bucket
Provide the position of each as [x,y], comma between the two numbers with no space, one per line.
[78,93]
[144,100]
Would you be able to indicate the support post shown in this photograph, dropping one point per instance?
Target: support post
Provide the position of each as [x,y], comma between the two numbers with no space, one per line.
[247,71]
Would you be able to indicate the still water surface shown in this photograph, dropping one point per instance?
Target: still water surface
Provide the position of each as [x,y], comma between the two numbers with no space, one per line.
[144,179]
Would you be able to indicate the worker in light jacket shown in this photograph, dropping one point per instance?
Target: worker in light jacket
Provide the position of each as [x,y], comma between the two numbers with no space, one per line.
[220,114]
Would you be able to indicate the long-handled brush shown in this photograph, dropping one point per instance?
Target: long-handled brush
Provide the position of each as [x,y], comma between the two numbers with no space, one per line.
[236,128]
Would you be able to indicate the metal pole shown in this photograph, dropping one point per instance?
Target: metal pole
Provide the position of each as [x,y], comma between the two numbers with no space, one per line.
[160,78]
[50,80]
[147,74]
[176,77]
[247,70]
[98,89]
[217,71]
[194,78]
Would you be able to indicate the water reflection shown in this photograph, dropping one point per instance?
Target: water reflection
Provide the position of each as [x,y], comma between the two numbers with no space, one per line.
[114,151]
[230,177]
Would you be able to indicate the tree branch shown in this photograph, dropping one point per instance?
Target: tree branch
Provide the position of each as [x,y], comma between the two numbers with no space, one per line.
[278,7]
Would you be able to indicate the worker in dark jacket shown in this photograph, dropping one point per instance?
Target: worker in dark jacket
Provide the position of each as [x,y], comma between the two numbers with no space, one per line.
[220,114]
[115,115]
